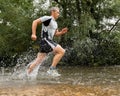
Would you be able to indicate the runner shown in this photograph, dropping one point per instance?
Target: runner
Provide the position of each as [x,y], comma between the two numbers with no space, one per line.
[49,30]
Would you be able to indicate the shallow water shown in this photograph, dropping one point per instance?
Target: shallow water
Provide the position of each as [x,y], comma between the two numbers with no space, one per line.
[74,81]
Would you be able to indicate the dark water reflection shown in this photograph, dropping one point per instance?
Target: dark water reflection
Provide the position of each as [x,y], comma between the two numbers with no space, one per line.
[91,76]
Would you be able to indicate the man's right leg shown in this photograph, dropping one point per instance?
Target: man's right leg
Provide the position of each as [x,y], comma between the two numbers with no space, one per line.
[40,58]
[59,52]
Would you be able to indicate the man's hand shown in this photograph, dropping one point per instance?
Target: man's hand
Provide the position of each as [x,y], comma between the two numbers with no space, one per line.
[33,37]
[64,30]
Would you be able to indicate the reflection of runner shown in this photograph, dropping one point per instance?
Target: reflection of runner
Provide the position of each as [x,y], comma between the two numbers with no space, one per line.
[49,29]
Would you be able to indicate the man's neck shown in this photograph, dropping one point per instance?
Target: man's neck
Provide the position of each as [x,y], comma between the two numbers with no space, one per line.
[53,17]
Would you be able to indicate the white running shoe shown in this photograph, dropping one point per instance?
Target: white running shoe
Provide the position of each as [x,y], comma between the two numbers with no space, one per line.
[53,72]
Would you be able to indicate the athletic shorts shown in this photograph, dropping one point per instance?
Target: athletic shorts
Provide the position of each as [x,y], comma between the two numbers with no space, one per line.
[47,45]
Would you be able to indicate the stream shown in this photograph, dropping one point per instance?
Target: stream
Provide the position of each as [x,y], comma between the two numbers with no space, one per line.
[74,81]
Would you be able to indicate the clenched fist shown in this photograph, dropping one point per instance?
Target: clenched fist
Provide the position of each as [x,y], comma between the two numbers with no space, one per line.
[33,37]
[64,30]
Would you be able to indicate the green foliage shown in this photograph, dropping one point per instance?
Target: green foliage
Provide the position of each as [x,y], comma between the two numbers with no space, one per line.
[108,50]
[88,41]
[95,52]
[15,25]
[15,28]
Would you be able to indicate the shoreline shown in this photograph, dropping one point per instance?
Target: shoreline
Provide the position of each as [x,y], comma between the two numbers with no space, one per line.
[60,90]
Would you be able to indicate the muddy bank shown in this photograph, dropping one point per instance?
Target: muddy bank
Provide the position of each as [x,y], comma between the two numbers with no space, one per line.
[60,90]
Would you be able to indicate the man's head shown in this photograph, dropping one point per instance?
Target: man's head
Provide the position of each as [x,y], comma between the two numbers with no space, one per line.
[55,12]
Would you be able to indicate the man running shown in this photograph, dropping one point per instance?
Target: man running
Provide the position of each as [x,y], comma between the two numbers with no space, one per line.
[49,30]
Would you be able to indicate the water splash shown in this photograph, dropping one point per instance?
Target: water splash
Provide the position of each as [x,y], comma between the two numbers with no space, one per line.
[24,60]
[2,70]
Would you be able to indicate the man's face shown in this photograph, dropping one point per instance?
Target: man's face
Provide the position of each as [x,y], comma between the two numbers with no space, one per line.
[55,13]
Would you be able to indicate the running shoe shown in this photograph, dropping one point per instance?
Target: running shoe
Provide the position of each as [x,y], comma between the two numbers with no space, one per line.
[53,72]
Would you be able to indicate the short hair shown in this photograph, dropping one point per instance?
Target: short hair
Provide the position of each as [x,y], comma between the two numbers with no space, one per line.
[53,9]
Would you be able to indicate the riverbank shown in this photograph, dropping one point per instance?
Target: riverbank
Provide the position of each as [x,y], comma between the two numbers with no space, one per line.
[60,90]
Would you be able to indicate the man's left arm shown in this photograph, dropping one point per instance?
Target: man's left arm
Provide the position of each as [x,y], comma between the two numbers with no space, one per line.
[63,31]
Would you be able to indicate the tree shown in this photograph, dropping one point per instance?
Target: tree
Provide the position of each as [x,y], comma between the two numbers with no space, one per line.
[15,26]
[92,43]
[89,41]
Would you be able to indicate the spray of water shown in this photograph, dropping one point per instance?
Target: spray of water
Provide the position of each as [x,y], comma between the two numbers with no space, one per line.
[24,60]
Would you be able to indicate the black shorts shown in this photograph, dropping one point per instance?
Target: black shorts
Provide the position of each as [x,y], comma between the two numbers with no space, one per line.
[47,45]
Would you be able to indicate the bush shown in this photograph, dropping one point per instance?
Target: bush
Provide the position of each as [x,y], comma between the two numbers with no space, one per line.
[95,52]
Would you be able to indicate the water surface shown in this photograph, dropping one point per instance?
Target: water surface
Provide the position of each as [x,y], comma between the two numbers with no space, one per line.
[74,81]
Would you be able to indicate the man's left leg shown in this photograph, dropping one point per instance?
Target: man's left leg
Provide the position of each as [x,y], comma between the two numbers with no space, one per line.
[40,58]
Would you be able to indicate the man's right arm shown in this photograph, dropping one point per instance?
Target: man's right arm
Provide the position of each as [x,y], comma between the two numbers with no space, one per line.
[34,27]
